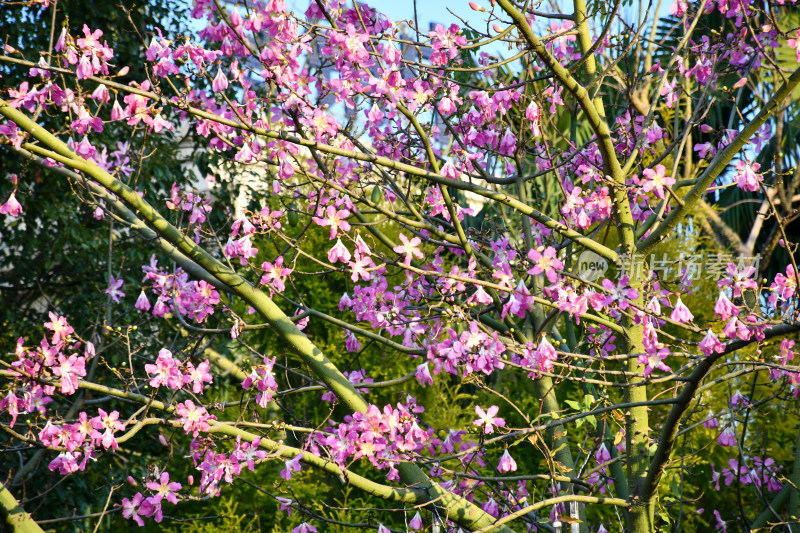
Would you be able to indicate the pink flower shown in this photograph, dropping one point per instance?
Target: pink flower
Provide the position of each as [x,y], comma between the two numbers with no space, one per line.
[164,490]
[747,177]
[275,274]
[669,91]
[795,45]
[680,313]
[220,82]
[424,374]
[546,262]
[198,376]
[70,369]
[358,268]
[194,418]
[292,465]
[11,207]
[142,303]
[409,248]
[108,424]
[544,355]
[724,308]
[710,344]
[339,252]
[264,380]
[533,113]
[507,463]
[58,325]
[487,419]
[335,219]
[657,181]
[446,106]
[305,527]
[449,171]
[654,360]
[416,522]
[736,328]
[248,452]
[117,112]
[165,371]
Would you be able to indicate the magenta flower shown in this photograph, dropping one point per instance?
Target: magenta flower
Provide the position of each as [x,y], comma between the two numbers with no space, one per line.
[739,280]
[710,344]
[736,328]
[424,374]
[292,465]
[711,421]
[727,437]
[507,463]
[602,455]
[739,398]
[487,420]
[286,505]
[619,293]
[130,508]
[113,289]
[305,527]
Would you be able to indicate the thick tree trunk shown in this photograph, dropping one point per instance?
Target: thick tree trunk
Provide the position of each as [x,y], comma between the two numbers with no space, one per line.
[14,517]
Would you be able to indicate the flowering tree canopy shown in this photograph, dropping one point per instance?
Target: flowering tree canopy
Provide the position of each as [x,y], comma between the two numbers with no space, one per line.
[529,270]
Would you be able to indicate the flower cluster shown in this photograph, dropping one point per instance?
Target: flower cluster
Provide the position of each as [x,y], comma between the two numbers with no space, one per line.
[175,374]
[177,293]
[384,437]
